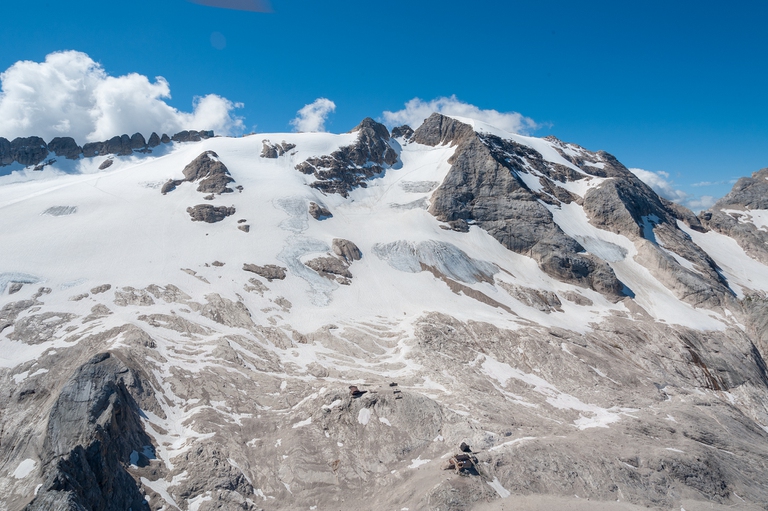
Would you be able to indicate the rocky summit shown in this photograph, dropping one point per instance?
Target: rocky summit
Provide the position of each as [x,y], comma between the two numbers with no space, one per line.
[441,317]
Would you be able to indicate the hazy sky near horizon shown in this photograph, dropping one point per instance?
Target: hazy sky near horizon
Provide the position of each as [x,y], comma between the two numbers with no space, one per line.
[675,88]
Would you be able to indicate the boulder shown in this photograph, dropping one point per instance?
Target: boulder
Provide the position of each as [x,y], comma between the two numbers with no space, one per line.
[209,214]
[319,212]
[346,250]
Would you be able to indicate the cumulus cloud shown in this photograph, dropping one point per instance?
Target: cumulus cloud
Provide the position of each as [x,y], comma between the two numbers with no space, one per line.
[699,203]
[416,110]
[661,184]
[71,95]
[312,116]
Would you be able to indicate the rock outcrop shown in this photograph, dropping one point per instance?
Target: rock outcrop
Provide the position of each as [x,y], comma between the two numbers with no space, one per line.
[212,174]
[733,215]
[483,187]
[346,250]
[270,150]
[24,150]
[66,147]
[319,212]
[268,271]
[191,136]
[350,166]
[93,428]
[209,214]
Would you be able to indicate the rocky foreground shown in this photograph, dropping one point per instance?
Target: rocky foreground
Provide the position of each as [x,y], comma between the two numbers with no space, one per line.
[445,318]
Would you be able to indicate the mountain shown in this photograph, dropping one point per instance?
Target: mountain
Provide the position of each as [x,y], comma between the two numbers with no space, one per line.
[452,317]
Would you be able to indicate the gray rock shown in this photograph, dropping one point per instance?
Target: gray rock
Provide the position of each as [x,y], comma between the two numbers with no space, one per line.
[28,150]
[329,267]
[209,214]
[483,186]
[244,227]
[101,289]
[346,250]
[154,140]
[138,142]
[15,287]
[270,150]
[545,301]
[93,427]
[165,139]
[268,271]
[405,132]
[191,136]
[106,164]
[319,212]
[6,156]
[748,193]
[66,147]
[350,166]
[212,174]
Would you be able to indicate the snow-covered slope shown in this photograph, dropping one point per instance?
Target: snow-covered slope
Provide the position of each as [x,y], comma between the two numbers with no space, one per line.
[581,334]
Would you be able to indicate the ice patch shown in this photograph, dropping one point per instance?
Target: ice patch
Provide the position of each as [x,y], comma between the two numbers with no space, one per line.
[448,259]
[320,287]
[385,421]
[305,422]
[21,278]
[25,468]
[605,250]
[364,416]
[418,462]
[496,485]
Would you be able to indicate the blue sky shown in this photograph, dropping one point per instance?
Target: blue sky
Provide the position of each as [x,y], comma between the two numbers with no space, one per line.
[678,87]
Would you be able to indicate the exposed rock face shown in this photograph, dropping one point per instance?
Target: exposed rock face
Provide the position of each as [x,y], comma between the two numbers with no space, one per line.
[93,428]
[138,142]
[319,212]
[270,150]
[154,140]
[66,147]
[6,157]
[351,166]
[26,151]
[191,136]
[731,215]
[119,145]
[483,186]
[209,214]
[268,271]
[486,187]
[346,250]
[405,132]
[165,139]
[212,174]
[331,268]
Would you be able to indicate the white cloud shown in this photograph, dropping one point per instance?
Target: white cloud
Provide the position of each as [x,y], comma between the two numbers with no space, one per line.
[661,184]
[416,110]
[703,202]
[312,116]
[71,95]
